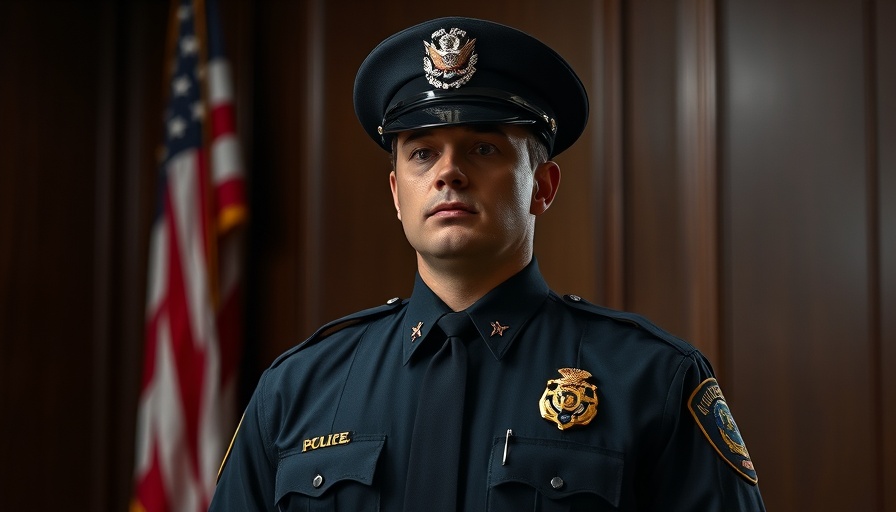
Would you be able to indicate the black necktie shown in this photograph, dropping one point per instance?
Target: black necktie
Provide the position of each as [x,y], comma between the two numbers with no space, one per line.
[435,445]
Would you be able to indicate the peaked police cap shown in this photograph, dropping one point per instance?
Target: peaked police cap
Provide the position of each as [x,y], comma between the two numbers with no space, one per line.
[452,71]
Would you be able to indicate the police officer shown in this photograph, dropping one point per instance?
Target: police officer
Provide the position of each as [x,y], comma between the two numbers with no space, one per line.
[485,390]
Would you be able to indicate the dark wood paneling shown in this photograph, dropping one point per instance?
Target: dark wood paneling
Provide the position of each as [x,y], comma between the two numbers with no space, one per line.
[655,277]
[365,260]
[275,280]
[79,125]
[671,246]
[697,163]
[797,336]
[606,96]
[567,244]
[885,72]
[130,149]
[46,269]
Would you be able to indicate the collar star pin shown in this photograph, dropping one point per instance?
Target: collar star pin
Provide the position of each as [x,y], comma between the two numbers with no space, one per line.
[415,331]
[569,401]
[498,329]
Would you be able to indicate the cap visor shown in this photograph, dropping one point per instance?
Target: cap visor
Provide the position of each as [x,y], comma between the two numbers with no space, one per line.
[449,114]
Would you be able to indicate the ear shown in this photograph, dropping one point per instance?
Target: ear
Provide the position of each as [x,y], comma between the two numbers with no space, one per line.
[393,184]
[544,188]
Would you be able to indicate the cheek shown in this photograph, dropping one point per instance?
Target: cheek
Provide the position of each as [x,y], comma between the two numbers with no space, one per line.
[515,205]
[409,197]
[522,192]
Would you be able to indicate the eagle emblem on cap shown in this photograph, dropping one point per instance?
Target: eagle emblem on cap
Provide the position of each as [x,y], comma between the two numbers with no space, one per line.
[450,59]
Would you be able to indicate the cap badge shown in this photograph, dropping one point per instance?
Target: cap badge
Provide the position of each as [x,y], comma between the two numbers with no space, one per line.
[569,401]
[449,61]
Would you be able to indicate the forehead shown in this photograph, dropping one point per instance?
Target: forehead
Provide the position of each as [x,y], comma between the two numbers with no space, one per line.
[507,131]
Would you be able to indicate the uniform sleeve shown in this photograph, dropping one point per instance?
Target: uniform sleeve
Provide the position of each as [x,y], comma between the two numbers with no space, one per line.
[703,463]
[246,481]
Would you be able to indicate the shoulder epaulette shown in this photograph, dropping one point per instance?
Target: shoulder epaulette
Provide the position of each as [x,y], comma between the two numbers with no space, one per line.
[337,325]
[633,318]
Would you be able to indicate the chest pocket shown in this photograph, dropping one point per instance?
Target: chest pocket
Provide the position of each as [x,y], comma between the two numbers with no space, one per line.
[557,476]
[335,478]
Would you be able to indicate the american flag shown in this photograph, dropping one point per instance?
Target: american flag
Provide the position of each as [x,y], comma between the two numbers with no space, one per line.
[193,320]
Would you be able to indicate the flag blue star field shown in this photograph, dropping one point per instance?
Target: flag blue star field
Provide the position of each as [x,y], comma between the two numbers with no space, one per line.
[193,318]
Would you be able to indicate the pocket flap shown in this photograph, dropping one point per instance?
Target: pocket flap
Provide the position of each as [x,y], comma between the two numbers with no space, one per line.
[312,472]
[557,468]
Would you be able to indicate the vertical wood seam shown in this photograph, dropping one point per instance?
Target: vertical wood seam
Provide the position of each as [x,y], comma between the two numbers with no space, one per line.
[313,177]
[699,168]
[100,348]
[608,141]
[872,170]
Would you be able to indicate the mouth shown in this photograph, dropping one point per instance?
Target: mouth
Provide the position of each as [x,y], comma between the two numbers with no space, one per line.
[451,209]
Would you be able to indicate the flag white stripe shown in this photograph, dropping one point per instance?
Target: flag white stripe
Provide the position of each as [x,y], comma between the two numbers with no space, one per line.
[226,158]
[179,481]
[183,175]
[158,269]
[211,442]
[220,85]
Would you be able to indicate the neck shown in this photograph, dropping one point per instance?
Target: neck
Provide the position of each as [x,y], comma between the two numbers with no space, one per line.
[459,285]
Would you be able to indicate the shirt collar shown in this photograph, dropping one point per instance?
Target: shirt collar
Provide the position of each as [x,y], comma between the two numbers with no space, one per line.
[499,315]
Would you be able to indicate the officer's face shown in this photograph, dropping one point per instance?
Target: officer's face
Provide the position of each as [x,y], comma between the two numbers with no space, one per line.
[470,192]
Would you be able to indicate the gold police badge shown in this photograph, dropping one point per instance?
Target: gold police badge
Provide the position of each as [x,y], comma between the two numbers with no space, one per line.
[569,401]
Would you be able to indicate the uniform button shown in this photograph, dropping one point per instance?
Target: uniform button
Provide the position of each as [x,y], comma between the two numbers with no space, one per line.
[318,481]
[393,300]
[556,482]
[574,298]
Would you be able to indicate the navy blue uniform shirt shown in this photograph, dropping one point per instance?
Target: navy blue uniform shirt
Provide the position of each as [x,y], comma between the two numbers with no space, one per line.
[329,425]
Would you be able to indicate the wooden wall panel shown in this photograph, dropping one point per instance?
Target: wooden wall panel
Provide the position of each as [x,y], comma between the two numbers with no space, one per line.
[46,268]
[670,169]
[130,136]
[278,192]
[655,273]
[79,124]
[884,18]
[796,244]
[606,96]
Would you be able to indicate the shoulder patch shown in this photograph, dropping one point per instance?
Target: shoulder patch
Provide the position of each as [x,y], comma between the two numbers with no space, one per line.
[330,328]
[709,409]
[635,319]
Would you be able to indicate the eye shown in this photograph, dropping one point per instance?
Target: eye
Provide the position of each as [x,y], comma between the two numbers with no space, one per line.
[485,149]
[421,155]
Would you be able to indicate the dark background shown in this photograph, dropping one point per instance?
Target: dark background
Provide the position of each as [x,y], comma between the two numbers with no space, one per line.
[736,183]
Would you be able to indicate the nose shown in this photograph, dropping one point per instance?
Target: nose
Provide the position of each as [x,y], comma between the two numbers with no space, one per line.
[450,173]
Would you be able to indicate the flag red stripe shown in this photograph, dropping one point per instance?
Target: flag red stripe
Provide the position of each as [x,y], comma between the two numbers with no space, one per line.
[189,359]
[150,489]
[204,200]
[230,193]
[223,119]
